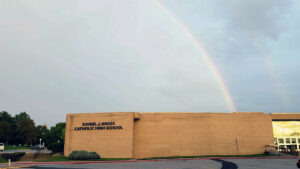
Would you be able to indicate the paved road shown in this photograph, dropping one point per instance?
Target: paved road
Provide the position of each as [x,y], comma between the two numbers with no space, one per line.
[265,163]
[24,150]
[183,164]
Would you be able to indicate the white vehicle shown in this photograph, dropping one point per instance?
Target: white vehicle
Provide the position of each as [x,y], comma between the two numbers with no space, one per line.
[1,147]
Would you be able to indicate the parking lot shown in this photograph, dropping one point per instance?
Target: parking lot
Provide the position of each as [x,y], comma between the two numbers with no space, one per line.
[182,164]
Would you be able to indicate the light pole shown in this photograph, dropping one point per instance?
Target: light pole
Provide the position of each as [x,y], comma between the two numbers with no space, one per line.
[40,141]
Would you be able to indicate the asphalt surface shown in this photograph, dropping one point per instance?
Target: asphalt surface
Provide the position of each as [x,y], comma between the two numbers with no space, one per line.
[182,164]
[24,150]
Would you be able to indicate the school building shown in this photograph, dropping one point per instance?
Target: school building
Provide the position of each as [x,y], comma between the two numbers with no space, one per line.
[156,134]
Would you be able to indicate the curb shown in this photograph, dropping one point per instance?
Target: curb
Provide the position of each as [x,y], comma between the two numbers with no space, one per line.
[133,161]
[25,166]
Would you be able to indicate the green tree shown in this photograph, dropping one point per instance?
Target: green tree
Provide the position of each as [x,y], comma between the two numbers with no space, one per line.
[41,132]
[26,131]
[7,127]
[6,132]
[20,116]
[56,132]
[55,138]
[62,136]
[5,116]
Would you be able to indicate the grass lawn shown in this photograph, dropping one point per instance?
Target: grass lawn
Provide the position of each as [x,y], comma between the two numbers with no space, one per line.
[2,160]
[174,157]
[15,148]
[56,158]
[114,159]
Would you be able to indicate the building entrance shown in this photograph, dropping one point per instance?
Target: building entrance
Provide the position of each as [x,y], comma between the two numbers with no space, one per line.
[286,135]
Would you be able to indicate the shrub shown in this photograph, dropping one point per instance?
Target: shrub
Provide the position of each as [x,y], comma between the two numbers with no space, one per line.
[13,156]
[94,155]
[56,147]
[84,155]
[73,154]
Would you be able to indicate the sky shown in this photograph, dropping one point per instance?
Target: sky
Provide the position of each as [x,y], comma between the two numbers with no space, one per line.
[83,56]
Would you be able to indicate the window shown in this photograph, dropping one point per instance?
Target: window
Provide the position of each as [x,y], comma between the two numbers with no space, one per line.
[293,140]
[280,140]
[282,147]
[288,140]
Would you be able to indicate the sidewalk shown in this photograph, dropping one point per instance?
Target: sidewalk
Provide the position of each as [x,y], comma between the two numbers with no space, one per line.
[5,166]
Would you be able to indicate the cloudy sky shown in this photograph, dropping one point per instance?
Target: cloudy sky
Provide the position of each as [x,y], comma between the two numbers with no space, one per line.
[68,56]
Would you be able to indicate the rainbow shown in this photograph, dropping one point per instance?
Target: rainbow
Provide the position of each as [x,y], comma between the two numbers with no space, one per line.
[280,88]
[277,82]
[203,52]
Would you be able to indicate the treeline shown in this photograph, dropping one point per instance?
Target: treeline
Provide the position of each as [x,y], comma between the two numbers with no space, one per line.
[21,129]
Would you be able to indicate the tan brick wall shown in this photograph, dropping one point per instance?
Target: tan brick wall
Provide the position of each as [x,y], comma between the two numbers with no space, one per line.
[195,134]
[285,116]
[108,143]
[171,134]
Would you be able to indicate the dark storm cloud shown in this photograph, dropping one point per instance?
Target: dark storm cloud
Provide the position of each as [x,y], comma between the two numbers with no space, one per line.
[252,44]
[258,18]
